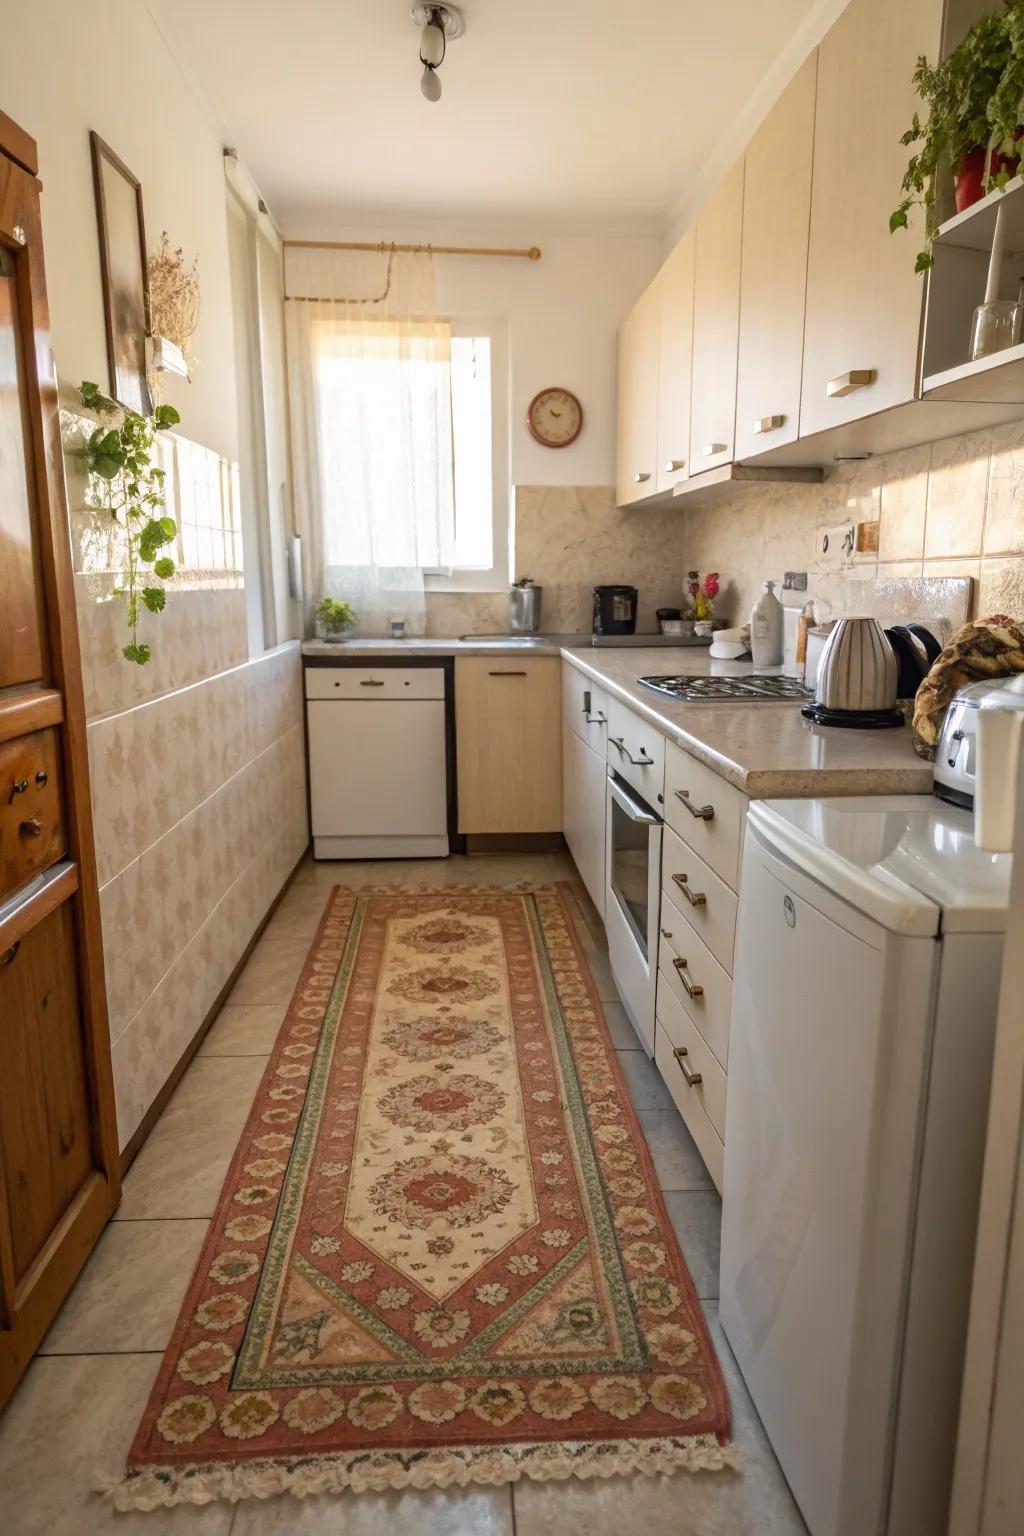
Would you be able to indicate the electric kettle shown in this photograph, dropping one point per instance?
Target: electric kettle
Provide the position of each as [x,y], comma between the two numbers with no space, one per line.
[857,678]
[1000,730]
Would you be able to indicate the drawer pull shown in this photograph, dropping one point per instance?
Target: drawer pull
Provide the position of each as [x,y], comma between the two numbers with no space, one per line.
[597,719]
[693,1079]
[506,674]
[365,682]
[695,898]
[691,988]
[846,383]
[9,954]
[698,812]
[17,788]
[643,761]
[31,828]
[768,423]
[665,933]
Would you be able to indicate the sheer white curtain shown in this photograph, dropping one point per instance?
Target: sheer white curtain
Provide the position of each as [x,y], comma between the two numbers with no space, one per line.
[369,379]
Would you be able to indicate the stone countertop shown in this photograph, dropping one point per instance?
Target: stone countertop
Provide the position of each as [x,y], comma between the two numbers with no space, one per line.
[419,646]
[765,749]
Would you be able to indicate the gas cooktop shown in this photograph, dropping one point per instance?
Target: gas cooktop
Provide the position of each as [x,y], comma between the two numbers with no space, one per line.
[758,685]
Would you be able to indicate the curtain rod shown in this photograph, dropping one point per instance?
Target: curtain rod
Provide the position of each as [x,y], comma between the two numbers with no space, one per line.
[532,254]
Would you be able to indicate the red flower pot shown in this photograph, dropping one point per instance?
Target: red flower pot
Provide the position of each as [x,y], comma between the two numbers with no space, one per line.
[970,176]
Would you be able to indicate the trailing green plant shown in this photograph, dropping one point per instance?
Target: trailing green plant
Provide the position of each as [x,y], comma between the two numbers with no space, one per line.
[118,454]
[334,614]
[975,99]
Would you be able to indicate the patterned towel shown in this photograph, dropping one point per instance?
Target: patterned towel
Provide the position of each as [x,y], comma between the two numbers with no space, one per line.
[989,648]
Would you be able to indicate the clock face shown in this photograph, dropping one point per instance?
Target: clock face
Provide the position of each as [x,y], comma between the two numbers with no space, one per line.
[555,417]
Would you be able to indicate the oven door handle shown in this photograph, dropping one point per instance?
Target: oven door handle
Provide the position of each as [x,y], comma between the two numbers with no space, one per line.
[634,809]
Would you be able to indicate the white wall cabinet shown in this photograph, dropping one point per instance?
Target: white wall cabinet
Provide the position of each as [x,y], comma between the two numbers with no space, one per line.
[674,286]
[716,320]
[863,296]
[773,282]
[637,445]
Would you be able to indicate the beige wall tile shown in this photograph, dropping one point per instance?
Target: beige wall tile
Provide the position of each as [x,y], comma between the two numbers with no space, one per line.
[957,490]
[1004,516]
[1001,589]
[904,502]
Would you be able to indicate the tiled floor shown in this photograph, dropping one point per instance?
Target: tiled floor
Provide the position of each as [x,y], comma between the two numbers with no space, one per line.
[74,1415]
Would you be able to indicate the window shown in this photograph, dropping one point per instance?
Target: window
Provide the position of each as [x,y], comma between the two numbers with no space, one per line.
[480,433]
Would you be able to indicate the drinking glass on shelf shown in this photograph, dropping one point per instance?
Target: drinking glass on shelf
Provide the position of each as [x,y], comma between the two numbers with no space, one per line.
[997,325]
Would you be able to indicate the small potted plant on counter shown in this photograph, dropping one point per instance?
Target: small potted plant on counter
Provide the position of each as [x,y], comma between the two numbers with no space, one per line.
[973,125]
[333,619]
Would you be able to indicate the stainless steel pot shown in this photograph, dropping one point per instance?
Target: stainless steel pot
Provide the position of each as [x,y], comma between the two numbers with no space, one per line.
[524,601]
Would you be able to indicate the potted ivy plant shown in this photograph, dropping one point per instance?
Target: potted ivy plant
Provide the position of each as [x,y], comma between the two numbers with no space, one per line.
[333,618]
[975,101]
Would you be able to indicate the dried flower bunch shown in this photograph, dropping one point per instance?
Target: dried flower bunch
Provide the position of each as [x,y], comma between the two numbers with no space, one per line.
[173,294]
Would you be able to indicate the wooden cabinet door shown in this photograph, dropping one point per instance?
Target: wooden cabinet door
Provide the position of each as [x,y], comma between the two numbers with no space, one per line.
[637,447]
[716,323]
[863,296]
[773,269]
[674,285]
[59,1162]
[584,802]
[509,744]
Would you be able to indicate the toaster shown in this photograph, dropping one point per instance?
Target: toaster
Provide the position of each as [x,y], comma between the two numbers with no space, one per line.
[956,752]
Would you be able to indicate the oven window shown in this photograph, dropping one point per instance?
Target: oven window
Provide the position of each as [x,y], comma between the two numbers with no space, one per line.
[631,851]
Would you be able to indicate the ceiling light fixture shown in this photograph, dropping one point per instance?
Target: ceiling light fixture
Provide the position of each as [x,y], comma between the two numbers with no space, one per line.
[439,25]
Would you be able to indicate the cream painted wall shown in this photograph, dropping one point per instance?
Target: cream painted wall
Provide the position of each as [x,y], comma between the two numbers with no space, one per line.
[66,68]
[563,313]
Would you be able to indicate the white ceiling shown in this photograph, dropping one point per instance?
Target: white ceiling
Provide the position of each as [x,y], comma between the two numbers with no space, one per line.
[583,112]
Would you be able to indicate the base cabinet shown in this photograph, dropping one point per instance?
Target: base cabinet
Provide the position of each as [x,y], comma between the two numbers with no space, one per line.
[584,779]
[509,744]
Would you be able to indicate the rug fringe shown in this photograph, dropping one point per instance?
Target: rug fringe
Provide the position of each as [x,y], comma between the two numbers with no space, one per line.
[450,1467]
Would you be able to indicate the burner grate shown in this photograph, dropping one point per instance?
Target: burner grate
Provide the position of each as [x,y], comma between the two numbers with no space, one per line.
[757,686]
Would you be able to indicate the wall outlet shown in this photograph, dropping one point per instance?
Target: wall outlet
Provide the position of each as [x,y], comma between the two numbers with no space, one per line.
[836,546]
[794,581]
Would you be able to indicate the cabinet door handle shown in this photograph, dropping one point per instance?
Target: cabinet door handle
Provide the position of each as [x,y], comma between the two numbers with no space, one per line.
[506,674]
[638,479]
[9,954]
[710,448]
[597,719]
[665,933]
[768,423]
[846,383]
[17,788]
[643,761]
[691,988]
[368,683]
[693,1079]
[672,465]
[695,898]
[698,812]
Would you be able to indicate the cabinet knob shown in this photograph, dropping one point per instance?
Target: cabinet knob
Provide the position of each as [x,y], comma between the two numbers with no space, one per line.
[846,383]
[31,828]
[17,788]
[638,479]
[41,777]
[710,448]
[768,423]
[672,465]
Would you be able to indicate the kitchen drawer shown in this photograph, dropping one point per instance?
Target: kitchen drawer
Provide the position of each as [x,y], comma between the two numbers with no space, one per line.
[636,750]
[709,1008]
[708,904]
[584,708]
[709,1144]
[684,1035]
[707,813]
[374,683]
[31,819]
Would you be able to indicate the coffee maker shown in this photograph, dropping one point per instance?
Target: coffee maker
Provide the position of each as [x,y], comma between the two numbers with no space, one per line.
[615,610]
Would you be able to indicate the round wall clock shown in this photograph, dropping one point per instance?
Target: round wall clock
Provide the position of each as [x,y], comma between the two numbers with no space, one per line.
[554,417]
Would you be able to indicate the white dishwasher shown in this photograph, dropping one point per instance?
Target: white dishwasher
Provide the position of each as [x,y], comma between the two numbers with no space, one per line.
[378,762]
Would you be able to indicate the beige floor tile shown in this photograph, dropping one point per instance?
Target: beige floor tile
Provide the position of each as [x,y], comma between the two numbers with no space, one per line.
[621,1030]
[244,1029]
[696,1215]
[299,913]
[270,972]
[601,970]
[677,1162]
[440,1512]
[181,1168]
[70,1423]
[127,1298]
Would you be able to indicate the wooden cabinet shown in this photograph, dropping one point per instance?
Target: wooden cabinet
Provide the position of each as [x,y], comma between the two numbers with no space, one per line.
[674,285]
[509,744]
[716,318]
[59,1163]
[776,211]
[637,445]
[863,296]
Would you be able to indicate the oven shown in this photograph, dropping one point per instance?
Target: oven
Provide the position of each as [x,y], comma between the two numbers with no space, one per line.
[633,898]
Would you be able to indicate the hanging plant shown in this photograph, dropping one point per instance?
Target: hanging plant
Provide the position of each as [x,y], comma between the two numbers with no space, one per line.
[173,295]
[118,457]
[975,101]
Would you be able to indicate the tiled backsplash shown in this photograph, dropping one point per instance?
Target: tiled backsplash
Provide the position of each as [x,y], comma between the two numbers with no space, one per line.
[951,508]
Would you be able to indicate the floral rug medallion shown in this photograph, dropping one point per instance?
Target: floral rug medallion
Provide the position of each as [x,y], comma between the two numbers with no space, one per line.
[440,1255]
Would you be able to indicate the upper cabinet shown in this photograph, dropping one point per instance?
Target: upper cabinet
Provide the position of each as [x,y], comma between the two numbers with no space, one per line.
[863,296]
[773,287]
[637,449]
[674,286]
[716,317]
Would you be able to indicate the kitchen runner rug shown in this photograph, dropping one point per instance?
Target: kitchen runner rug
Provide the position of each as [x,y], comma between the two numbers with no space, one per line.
[440,1255]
